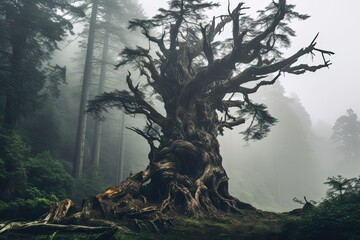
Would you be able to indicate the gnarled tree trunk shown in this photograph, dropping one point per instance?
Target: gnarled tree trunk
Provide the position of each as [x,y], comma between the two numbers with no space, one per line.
[185,175]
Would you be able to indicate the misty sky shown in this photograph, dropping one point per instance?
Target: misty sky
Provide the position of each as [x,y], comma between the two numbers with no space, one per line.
[327,93]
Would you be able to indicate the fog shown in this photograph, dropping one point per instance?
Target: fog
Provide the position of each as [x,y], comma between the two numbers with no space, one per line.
[269,173]
[296,157]
[325,94]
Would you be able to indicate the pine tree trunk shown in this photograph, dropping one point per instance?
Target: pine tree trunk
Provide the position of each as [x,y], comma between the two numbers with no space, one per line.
[12,105]
[120,164]
[78,160]
[95,155]
[10,111]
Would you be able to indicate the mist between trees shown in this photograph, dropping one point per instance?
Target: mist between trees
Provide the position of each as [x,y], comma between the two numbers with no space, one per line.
[292,161]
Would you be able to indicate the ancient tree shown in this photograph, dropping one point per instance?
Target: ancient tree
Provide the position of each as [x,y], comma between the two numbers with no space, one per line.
[204,85]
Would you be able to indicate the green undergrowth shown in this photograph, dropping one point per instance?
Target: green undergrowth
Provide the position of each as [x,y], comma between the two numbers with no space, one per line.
[188,228]
[336,218]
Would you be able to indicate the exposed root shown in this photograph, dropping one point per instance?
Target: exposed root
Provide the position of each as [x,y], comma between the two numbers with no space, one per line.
[58,211]
[48,228]
[184,179]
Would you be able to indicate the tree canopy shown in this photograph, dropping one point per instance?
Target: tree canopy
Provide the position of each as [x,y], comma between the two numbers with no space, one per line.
[30,33]
[191,64]
[204,86]
[346,132]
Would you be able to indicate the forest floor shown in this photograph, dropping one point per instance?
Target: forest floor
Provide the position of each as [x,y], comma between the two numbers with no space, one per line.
[251,225]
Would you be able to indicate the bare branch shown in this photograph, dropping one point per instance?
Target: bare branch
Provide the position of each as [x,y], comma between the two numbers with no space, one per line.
[278,17]
[235,16]
[231,124]
[207,46]
[174,29]
[133,103]
[262,83]
[150,65]
[233,103]
[145,32]
[245,53]
[152,113]
[214,29]
[148,138]
[302,68]
[255,73]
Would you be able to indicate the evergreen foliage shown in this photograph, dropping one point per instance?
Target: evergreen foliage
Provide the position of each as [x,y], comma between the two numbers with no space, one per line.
[270,172]
[261,121]
[203,92]
[48,174]
[189,56]
[32,30]
[13,153]
[191,39]
[340,186]
[111,35]
[346,133]
[29,184]
[337,217]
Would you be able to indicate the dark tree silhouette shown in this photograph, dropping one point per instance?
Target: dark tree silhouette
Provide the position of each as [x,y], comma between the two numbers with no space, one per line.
[199,81]
[103,38]
[346,132]
[30,31]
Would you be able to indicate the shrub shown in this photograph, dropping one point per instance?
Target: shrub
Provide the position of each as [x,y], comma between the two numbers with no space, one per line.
[13,152]
[48,174]
[336,218]
[33,206]
[29,185]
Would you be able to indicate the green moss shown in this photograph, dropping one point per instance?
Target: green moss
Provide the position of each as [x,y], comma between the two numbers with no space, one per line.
[193,229]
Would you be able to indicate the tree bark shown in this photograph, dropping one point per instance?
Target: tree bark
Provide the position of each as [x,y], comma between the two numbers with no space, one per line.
[120,163]
[18,44]
[78,160]
[10,111]
[95,155]
[185,176]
